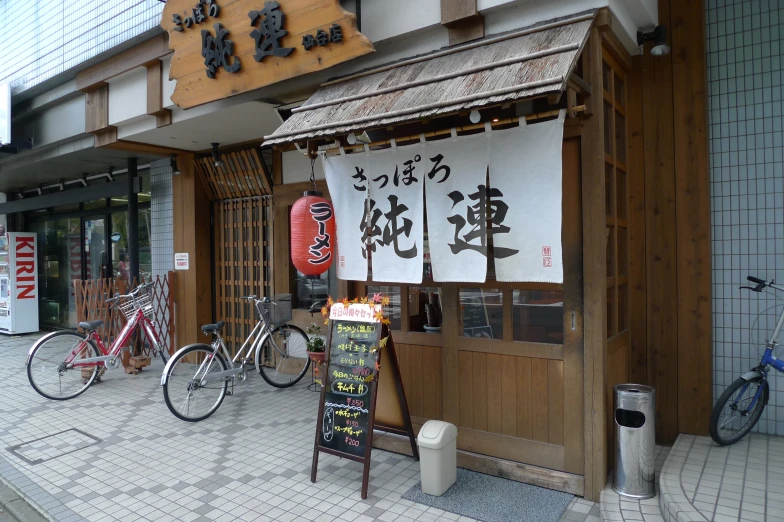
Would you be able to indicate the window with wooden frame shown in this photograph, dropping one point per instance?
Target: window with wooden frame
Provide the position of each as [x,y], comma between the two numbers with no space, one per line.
[616,195]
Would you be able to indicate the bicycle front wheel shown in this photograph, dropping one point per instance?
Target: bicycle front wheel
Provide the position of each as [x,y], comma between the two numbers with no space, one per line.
[734,415]
[282,359]
[50,367]
[186,394]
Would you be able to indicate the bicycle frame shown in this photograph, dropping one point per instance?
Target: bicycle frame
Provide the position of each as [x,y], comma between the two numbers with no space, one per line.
[139,319]
[768,359]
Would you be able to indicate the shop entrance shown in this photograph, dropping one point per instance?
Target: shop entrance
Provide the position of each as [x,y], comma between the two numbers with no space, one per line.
[506,366]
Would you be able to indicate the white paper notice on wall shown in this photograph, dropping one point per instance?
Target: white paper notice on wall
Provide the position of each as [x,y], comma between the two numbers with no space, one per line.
[525,201]
[396,214]
[347,181]
[456,221]
[181,261]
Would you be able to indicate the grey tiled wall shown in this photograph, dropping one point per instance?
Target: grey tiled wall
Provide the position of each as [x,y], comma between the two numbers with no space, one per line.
[745,43]
[44,38]
[161,206]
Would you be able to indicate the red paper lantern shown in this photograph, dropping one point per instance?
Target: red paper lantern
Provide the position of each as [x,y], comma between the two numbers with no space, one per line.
[312,234]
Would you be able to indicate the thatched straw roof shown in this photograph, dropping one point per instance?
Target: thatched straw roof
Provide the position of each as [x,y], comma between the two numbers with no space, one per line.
[528,63]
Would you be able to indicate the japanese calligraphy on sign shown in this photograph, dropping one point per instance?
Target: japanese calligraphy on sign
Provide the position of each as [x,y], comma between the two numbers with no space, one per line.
[254,43]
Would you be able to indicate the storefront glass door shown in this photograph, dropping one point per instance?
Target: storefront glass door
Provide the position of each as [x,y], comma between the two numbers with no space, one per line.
[95,248]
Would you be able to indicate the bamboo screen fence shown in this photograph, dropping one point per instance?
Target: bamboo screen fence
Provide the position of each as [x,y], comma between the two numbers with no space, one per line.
[242,256]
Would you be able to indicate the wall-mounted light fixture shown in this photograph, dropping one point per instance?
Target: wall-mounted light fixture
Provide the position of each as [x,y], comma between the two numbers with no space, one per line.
[474,116]
[659,38]
[216,159]
[352,138]
[173,164]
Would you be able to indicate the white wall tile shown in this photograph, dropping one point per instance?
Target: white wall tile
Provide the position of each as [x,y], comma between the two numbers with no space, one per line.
[745,44]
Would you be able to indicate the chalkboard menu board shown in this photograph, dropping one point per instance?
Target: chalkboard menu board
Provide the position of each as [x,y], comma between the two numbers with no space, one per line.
[350,375]
[356,345]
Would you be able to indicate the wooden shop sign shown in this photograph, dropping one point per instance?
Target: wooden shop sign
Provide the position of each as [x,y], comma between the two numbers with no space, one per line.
[228,47]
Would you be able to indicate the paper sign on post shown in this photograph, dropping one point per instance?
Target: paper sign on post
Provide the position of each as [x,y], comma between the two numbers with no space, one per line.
[181,261]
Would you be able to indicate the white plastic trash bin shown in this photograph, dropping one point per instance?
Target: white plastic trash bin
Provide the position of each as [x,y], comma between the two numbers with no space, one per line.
[437,443]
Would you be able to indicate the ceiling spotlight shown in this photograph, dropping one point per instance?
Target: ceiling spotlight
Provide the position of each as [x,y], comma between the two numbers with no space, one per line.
[474,116]
[173,164]
[216,159]
[659,38]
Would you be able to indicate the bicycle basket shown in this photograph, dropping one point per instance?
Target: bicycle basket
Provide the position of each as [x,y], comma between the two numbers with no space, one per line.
[129,306]
[277,313]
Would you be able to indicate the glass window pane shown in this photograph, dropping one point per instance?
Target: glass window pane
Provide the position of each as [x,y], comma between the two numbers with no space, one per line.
[620,137]
[393,310]
[95,248]
[482,312]
[610,250]
[311,291]
[606,77]
[608,128]
[537,316]
[620,92]
[60,263]
[608,189]
[623,308]
[620,193]
[623,251]
[92,205]
[424,309]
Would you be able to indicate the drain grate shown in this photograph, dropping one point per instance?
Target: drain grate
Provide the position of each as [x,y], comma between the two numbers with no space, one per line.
[53,446]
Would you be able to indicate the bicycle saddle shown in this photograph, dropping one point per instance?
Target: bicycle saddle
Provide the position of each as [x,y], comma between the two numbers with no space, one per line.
[90,325]
[213,328]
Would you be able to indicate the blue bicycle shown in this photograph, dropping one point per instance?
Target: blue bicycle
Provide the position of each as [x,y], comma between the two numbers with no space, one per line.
[741,405]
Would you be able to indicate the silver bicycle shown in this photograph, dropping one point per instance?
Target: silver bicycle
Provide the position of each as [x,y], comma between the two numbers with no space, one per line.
[196,379]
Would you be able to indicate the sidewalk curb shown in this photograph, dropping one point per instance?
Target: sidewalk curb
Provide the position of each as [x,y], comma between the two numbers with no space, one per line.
[17,506]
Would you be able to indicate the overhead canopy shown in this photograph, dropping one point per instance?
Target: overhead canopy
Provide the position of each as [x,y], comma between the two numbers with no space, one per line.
[528,63]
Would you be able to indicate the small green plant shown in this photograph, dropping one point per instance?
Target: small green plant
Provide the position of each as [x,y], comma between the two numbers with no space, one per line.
[315,341]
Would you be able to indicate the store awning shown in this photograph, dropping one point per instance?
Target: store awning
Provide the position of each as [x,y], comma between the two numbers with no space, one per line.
[527,63]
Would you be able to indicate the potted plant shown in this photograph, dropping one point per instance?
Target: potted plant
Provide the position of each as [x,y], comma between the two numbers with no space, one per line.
[433,312]
[316,347]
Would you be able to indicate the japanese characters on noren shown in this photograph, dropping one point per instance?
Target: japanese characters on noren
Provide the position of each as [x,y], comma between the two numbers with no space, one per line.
[476,217]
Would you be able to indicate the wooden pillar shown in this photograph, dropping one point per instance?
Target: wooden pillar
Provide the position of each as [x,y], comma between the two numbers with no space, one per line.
[463,20]
[594,273]
[133,221]
[660,247]
[192,236]
[692,216]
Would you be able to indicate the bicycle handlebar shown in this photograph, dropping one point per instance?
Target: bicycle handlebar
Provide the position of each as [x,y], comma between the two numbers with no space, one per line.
[761,284]
[133,293]
[262,300]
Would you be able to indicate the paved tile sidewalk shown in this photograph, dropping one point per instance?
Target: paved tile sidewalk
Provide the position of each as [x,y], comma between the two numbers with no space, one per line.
[133,460]
[743,482]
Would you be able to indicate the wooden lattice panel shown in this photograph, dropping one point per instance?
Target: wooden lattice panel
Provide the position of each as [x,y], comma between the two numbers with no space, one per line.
[242,229]
[241,175]
[91,296]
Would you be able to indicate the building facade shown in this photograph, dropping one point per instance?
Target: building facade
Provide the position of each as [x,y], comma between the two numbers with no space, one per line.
[651,204]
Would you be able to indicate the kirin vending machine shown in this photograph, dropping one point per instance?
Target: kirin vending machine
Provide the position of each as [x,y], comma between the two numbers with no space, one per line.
[18,283]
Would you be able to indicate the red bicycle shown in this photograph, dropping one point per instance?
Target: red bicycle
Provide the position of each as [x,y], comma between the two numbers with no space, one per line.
[62,365]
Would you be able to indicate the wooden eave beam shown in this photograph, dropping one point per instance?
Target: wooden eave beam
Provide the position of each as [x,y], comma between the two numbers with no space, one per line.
[137,56]
[155,107]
